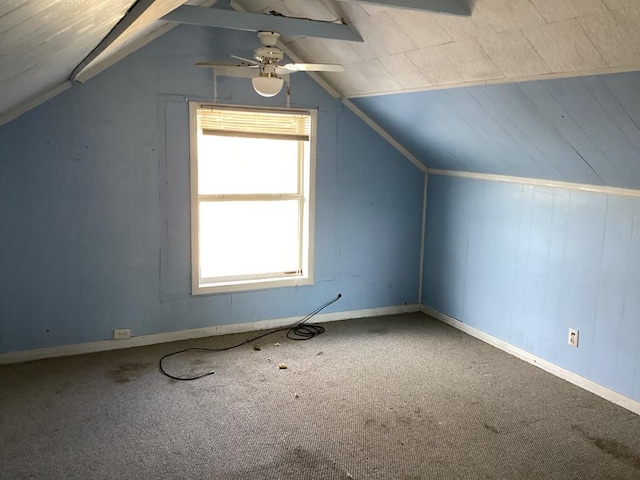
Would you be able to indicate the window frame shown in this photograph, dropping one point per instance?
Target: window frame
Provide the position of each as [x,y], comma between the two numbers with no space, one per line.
[307,203]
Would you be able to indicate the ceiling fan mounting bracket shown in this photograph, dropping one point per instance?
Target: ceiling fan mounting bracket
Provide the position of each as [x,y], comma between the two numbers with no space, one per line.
[268,39]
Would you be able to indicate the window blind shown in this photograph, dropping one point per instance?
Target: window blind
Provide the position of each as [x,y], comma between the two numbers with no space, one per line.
[254,123]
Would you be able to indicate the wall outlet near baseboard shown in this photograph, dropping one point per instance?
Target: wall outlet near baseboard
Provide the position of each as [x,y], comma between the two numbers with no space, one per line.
[573,337]
[121,333]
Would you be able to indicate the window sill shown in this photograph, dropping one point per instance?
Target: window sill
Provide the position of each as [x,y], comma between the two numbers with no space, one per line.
[248,285]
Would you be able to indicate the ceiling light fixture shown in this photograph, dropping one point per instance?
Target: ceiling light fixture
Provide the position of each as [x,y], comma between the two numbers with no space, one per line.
[267,85]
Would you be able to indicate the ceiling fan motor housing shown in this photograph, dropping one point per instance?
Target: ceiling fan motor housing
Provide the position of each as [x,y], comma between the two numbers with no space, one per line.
[268,54]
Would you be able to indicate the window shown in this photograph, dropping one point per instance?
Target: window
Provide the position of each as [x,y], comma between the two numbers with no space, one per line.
[252,174]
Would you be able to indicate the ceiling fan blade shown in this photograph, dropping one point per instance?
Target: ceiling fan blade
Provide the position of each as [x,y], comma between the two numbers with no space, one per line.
[247,60]
[309,67]
[224,64]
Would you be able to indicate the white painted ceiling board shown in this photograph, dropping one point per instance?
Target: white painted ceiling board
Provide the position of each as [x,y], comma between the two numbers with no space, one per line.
[258,5]
[350,82]
[615,4]
[404,71]
[471,60]
[367,50]
[379,76]
[13,14]
[516,39]
[508,49]
[436,65]
[373,9]
[326,51]
[423,28]
[565,47]
[461,28]
[510,15]
[41,42]
[8,6]
[616,35]
[383,35]
[557,10]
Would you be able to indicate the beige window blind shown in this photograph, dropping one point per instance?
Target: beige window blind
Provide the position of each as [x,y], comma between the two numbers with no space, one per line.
[254,123]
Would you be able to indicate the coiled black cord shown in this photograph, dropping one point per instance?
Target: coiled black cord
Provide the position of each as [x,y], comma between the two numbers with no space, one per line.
[299,331]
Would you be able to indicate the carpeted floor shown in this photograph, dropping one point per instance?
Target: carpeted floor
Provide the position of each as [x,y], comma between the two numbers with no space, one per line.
[402,397]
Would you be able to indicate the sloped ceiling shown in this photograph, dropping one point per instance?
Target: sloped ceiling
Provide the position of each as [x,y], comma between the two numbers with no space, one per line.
[42,41]
[581,130]
[564,129]
[503,40]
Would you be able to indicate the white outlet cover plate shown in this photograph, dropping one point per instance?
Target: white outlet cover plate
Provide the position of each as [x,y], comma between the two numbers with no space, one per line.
[121,333]
[573,337]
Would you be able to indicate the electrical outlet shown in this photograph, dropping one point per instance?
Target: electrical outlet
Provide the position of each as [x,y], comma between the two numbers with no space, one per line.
[573,337]
[121,333]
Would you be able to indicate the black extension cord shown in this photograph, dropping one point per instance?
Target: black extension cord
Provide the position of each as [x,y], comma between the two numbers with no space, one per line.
[299,331]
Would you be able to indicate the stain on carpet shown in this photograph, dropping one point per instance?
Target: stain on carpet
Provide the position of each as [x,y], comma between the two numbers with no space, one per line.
[379,331]
[618,450]
[295,462]
[491,428]
[127,372]
[612,447]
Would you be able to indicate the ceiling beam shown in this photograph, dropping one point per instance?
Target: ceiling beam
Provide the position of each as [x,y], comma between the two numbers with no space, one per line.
[452,7]
[255,22]
[131,16]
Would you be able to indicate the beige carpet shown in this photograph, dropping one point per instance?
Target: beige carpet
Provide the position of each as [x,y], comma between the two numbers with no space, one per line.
[402,397]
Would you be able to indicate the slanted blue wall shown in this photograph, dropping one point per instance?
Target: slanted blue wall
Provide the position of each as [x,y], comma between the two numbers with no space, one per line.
[582,130]
[525,263]
[94,205]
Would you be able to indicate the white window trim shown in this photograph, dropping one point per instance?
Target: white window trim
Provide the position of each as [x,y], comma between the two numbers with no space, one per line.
[256,283]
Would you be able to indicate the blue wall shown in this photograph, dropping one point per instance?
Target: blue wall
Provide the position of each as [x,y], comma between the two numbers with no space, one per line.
[94,205]
[582,130]
[525,263]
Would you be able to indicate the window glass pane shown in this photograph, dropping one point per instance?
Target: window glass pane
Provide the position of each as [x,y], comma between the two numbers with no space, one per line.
[243,238]
[246,165]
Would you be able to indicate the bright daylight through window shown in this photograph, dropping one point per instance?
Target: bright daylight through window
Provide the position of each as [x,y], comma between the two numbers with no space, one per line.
[252,175]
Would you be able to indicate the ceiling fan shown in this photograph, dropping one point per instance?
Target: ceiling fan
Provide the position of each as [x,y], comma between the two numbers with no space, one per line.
[269,82]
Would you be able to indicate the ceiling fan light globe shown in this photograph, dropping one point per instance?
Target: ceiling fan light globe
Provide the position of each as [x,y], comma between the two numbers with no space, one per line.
[267,86]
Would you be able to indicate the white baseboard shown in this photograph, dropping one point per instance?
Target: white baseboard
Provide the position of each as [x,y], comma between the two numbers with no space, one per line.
[143,340]
[604,392]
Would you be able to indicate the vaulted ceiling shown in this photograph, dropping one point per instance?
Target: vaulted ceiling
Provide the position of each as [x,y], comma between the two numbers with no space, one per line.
[43,43]
[47,45]
[503,40]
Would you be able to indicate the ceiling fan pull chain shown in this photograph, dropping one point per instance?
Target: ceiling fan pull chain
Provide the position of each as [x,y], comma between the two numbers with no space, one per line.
[215,86]
[288,80]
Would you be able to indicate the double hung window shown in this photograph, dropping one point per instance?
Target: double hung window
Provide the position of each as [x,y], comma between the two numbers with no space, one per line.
[251,197]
